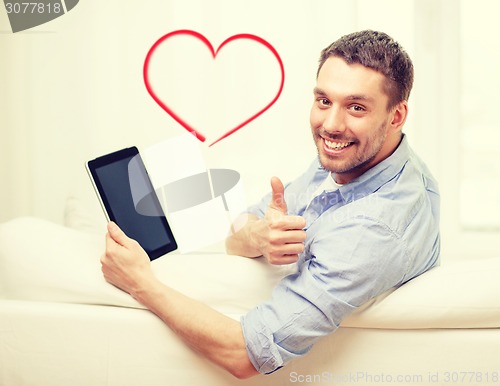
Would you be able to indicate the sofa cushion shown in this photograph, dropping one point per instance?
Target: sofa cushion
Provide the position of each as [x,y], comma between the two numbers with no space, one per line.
[461,294]
[42,261]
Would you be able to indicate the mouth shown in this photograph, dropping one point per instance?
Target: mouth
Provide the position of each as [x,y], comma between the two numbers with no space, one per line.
[336,147]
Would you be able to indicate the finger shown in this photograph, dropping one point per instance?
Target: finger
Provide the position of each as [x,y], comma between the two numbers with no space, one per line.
[278,251]
[292,248]
[289,223]
[289,237]
[110,246]
[278,195]
[289,259]
[283,259]
[116,234]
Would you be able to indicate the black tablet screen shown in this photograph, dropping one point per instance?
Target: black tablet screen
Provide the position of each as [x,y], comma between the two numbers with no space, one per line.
[129,200]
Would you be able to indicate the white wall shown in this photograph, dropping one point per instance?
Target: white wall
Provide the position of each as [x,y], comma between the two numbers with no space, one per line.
[72,89]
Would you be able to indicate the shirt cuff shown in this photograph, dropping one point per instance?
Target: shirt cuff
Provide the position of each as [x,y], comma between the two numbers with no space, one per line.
[261,349]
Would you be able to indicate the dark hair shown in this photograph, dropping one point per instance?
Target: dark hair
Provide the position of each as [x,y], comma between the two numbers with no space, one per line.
[379,52]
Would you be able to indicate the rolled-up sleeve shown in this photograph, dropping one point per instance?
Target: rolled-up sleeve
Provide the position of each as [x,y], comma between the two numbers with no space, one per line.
[312,303]
[288,326]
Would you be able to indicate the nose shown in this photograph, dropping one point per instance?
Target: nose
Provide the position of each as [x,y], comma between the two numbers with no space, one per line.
[334,121]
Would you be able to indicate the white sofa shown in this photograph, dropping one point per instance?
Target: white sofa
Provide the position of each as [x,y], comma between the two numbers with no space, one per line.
[61,324]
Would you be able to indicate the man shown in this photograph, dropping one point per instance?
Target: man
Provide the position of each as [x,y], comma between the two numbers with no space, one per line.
[362,219]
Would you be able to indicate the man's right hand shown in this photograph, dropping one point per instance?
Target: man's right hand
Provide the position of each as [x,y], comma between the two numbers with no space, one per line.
[278,236]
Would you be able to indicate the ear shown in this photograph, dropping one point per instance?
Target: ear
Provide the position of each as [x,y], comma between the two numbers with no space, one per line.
[399,114]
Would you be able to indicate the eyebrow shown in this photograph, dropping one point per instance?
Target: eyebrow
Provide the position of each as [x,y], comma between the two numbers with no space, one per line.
[354,97]
[318,91]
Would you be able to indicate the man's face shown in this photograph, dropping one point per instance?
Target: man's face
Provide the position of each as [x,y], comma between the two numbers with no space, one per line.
[349,119]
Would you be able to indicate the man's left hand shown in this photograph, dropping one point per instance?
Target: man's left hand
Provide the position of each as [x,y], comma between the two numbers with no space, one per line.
[125,264]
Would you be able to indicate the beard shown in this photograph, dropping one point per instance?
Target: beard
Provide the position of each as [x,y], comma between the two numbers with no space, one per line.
[359,155]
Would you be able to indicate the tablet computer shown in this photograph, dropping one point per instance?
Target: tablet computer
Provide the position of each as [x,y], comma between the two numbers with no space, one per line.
[128,198]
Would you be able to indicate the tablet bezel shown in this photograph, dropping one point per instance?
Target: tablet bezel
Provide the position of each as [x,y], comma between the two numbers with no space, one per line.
[120,155]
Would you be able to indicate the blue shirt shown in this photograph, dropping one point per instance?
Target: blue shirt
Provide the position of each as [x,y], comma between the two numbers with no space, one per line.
[369,235]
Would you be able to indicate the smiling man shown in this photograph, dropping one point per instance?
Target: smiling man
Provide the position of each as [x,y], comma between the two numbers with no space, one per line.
[353,124]
[362,219]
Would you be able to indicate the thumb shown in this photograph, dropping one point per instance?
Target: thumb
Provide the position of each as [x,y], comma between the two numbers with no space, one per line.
[117,234]
[278,195]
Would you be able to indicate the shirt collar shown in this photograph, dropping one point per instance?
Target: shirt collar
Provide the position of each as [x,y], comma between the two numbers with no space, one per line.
[374,178]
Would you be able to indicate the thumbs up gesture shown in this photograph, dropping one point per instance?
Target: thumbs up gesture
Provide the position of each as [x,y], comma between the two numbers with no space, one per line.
[280,237]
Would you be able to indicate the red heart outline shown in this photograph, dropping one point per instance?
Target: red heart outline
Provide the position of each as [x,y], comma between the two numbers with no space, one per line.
[199,36]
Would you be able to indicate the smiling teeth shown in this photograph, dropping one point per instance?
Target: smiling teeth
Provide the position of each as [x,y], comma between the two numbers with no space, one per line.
[336,145]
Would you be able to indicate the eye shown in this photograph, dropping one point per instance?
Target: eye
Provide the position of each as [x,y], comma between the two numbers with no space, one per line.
[357,108]
[323,102]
